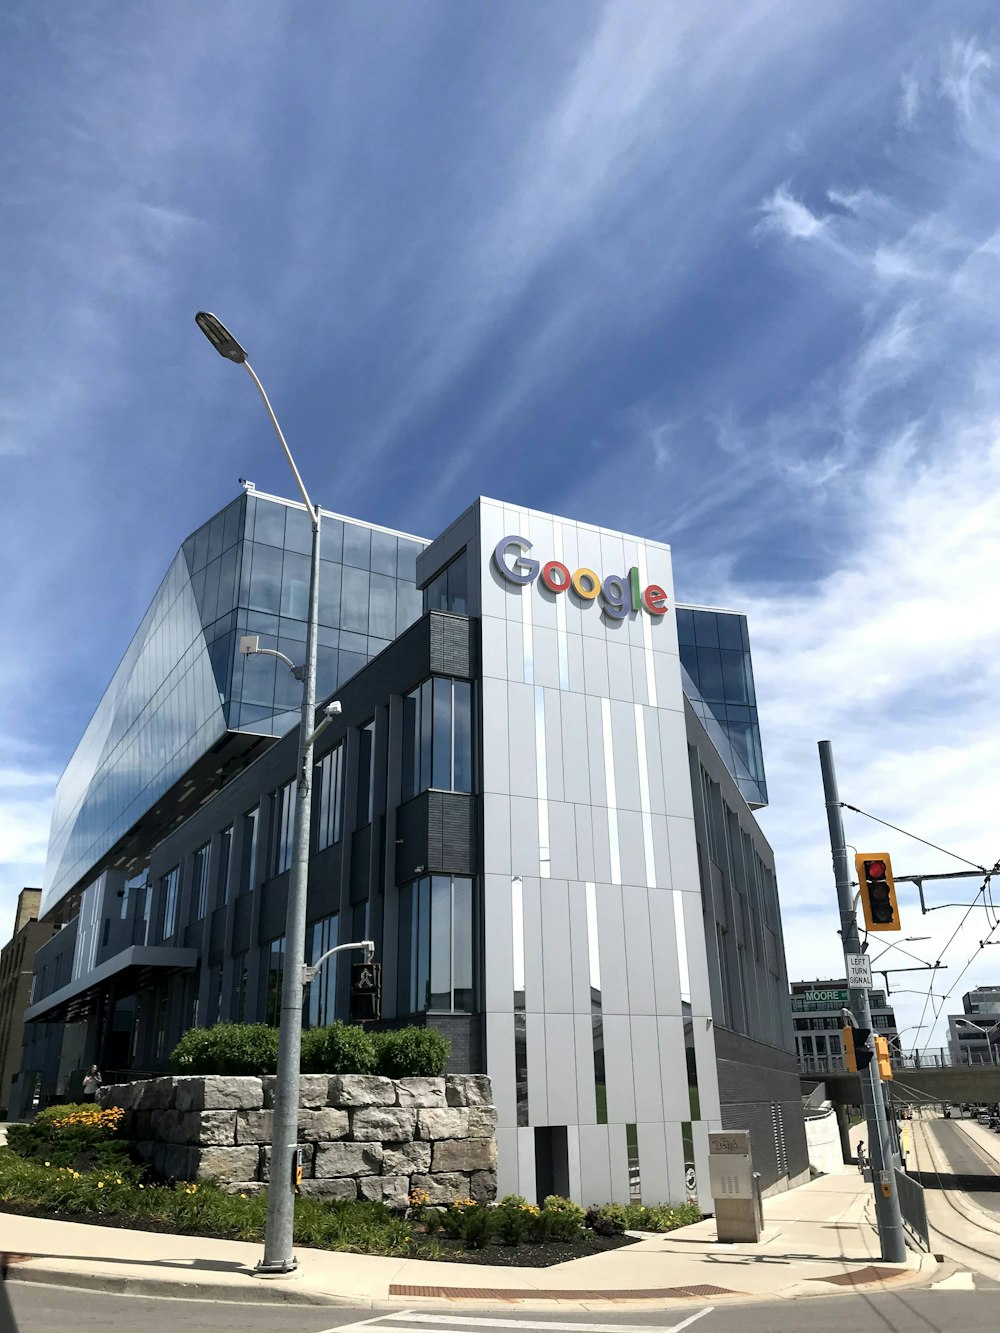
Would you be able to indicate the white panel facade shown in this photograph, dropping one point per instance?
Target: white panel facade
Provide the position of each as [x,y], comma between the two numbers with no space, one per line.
[585,770]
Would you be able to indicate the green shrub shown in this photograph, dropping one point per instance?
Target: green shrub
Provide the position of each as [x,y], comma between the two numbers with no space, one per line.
[74,1134]
[227,1048]
[469,1223]
[564,1219]
[340,1048]
[614,1218]
[412,1051]
[514,1218]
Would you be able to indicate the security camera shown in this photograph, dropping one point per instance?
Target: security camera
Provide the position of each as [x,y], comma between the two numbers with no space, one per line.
[333,709]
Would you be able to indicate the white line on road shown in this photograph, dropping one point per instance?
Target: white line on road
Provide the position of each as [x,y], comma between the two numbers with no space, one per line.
[362,1323]
[471,1321]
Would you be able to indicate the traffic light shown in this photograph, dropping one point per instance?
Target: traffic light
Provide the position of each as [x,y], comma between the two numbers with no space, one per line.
[366,992]
[878,892]
[884,1060]
[857,1053]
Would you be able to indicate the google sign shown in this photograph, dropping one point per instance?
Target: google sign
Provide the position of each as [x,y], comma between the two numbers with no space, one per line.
[619,593]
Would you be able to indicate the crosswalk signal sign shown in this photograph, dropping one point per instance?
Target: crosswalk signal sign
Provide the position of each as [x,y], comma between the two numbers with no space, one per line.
[878,891]
[366,992]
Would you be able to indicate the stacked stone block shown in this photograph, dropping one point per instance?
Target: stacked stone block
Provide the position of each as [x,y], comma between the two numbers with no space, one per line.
[362,1136]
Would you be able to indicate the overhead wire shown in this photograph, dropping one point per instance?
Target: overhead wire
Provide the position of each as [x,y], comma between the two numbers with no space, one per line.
[916,837]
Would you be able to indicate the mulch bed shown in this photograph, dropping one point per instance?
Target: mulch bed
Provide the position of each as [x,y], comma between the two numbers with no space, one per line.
[542,1255]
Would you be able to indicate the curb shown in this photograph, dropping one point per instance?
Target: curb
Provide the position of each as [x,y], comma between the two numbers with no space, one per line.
[270,1292]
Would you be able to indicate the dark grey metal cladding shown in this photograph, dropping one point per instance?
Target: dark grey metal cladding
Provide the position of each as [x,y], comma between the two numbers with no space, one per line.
[437,831]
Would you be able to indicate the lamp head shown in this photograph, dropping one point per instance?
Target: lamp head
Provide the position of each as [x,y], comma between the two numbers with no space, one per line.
[220,337]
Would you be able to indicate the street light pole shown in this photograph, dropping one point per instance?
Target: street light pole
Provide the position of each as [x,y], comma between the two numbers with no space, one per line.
[887,1211]
[967,1022]
[278,1255]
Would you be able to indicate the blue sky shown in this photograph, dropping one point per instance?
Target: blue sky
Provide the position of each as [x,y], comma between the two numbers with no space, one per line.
[720,274]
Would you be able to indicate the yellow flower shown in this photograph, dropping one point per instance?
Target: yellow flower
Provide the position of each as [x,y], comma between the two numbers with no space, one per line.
[48,1163]
[242,1196]
[142,1187]
[100,1184]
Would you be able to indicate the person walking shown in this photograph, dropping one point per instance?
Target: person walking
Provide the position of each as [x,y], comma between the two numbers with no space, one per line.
[91,1083]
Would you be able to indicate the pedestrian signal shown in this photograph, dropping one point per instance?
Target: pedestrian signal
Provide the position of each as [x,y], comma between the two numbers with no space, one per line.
[878,892]
[366,992]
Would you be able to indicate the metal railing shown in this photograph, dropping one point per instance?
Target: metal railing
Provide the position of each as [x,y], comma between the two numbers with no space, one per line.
[913,1208]
[939,1057]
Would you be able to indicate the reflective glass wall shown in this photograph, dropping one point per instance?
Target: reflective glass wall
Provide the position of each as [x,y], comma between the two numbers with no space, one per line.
[718,680]
[181,685]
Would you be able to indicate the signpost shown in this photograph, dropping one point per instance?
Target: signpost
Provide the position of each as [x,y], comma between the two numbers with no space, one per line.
[859,971]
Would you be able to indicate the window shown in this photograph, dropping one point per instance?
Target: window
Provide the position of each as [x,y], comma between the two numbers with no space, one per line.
[449,590]
[225,857]
[249,867]
[282,818]
[199,881]
[321,995]
[366,773]
[436,948]
[275,970]
[437,737]
[239,988]
[328,777]
[170,884]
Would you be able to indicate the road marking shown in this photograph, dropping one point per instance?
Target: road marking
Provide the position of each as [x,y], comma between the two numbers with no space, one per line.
[470,1321]
[362,1323]
[957,1282]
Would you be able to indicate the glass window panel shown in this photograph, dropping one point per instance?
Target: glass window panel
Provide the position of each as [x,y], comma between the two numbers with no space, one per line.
[733,677]
[730,632]
[295,586]
[354,600]
[422,974]
[462,780]
[409,606]
[689,660]
[458,590]
[685,625]
[200,556]
[706,629]
[327,660]
[376,646]
[462,945]
[406,560]
[329,593]
[436,593]
[275,970]
[225,857]
[232,525]
[411,747]
[265,579]
[210,595]
[249,866]
[383,555]
[269,523]
[321,996]
[258,681]
[710,674]
[298,532]
[295,631]
[170,884]
[215,537]
[331,545]
[227,581]
[282,804]
[199,888]
[382,606]
[748,669]
[350,664]
[357,546]
[366,773]
[440,943]
[426,715]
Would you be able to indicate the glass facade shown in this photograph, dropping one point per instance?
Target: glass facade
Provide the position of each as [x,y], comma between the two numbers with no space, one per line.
[717,675]
[318,1010]
[437,737]
[436,945]
[282,818]
[182,685]
[327,782]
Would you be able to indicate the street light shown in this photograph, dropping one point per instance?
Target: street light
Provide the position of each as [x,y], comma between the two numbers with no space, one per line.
[278,1255]
[967,1022]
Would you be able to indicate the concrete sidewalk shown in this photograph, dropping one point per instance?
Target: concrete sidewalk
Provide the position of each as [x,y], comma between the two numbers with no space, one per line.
[817,1241]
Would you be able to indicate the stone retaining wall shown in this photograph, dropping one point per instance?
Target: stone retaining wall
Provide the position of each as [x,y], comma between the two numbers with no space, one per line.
[362,1136]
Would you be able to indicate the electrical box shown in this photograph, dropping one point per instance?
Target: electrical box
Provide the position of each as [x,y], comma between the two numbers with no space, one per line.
[735,1190]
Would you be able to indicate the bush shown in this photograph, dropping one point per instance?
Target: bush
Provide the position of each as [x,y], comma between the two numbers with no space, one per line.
[514,1218]
[469,1223]
[227,1048]
[71,1135]
[601,1225]
[563,1218]
[412,1051]
[614,1218]
[341,1048]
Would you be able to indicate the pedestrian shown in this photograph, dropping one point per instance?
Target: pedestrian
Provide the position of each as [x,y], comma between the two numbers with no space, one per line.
[91,1082]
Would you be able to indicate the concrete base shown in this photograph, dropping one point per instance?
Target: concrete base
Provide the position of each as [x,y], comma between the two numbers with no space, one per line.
[736,1221]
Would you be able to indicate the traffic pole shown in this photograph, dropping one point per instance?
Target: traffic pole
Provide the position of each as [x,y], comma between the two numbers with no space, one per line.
[889,1219]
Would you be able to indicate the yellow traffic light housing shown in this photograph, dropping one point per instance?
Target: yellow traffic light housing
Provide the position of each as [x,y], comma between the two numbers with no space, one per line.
[857,1053]
[878,891]
[884,1060]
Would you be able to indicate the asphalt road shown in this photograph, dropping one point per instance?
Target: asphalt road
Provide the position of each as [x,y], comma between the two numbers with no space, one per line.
[969,1161]
[40,1309]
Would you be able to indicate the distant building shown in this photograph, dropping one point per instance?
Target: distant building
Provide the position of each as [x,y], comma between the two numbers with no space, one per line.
[973,1034]
[16,962]
[818,1020]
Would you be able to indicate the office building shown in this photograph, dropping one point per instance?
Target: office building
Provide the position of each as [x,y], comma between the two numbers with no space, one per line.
[16,961]
[817,1014]
[537,800]
[974,1033]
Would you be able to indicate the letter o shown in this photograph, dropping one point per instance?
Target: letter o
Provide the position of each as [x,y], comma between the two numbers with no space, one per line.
[555,576]
[588,594]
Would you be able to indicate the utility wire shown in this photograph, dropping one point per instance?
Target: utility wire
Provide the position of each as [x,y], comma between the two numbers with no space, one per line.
[930,991]
[983,888]
[916,838]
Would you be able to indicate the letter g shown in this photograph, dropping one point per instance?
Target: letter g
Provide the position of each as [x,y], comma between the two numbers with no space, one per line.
[515,572]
